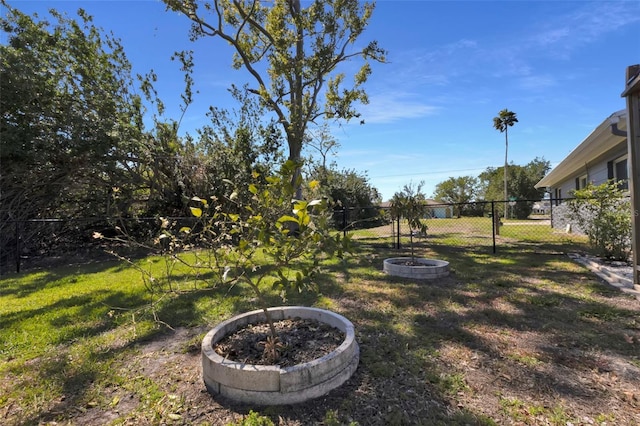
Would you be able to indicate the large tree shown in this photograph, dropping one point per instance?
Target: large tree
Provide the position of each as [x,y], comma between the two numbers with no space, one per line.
[521,184]
[292,54]
[235,147]
[502,122]
[69,116]
[457,190]
[352,194]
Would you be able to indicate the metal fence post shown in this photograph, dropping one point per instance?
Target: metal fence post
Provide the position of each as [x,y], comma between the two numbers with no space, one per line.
[495,222]
[344,222]
[18,248]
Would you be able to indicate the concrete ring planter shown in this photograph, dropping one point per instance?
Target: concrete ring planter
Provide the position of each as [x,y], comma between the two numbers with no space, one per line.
[425,270]
[271,384]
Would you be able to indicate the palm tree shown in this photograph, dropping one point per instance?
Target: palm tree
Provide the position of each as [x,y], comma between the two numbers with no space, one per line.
[502,122]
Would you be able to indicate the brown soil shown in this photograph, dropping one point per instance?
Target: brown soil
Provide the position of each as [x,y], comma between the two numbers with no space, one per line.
[298,341]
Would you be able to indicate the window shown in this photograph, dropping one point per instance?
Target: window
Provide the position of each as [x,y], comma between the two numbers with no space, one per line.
[618,171]
[581,182]
[558,197]
[621,172]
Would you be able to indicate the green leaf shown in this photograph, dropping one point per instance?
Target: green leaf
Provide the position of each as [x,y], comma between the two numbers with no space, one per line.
[253,189]
[196,211]
[287,218]
[299,205]
[185,229]
[114,401]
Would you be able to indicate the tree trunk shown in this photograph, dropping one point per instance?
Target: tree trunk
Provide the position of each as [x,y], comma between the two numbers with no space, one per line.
[506,150]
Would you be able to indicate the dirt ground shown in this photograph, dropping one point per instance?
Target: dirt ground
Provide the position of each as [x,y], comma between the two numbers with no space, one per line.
[530,370]
[496,385]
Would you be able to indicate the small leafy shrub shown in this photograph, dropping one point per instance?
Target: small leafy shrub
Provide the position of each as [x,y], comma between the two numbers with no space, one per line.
[332,418]
[253,419]
[411,204]
[604,213]
[267,241]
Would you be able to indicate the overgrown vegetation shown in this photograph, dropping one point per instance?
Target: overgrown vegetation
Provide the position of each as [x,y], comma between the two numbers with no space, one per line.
[68,90]
[603,212]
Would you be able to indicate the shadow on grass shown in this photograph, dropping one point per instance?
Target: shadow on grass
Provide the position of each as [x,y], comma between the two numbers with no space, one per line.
[563,303]
[13,283]
[402,327]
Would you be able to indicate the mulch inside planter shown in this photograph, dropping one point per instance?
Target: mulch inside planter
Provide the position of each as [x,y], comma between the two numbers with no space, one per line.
[301,340]
[409,263]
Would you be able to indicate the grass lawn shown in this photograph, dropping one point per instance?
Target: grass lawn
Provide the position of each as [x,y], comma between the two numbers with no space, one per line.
[523,337]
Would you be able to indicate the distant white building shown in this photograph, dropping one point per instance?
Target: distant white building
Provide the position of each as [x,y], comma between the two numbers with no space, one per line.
[439,210]
[542,207]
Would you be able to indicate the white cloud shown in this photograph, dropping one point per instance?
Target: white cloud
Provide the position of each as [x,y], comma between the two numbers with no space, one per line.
[586,25]
[437,66]
[537,82]
[558,36]
[392,107]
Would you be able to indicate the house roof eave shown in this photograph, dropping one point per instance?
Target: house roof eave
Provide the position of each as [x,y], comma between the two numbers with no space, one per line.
[598,143]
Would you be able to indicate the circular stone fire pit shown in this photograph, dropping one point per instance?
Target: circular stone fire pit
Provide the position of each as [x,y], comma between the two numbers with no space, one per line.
[271,384]
[417,268]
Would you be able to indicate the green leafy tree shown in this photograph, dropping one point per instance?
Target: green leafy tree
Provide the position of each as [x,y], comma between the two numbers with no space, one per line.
[460,190]
[233,147]
[350,190]
[410,204]
[69,118]
[292,54]
[502,122]
[522,180]
[170,169]
[604,213]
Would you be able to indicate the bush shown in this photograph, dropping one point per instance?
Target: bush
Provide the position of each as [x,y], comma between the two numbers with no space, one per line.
[604,213]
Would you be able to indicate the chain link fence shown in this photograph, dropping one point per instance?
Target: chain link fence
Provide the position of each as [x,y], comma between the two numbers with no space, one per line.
[473,226]
[42,241]
[470,226]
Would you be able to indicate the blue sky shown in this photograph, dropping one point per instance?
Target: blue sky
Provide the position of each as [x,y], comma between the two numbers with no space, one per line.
[452,65]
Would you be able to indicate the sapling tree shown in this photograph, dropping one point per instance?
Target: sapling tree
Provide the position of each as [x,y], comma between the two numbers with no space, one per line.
[252,244]
[410,204]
